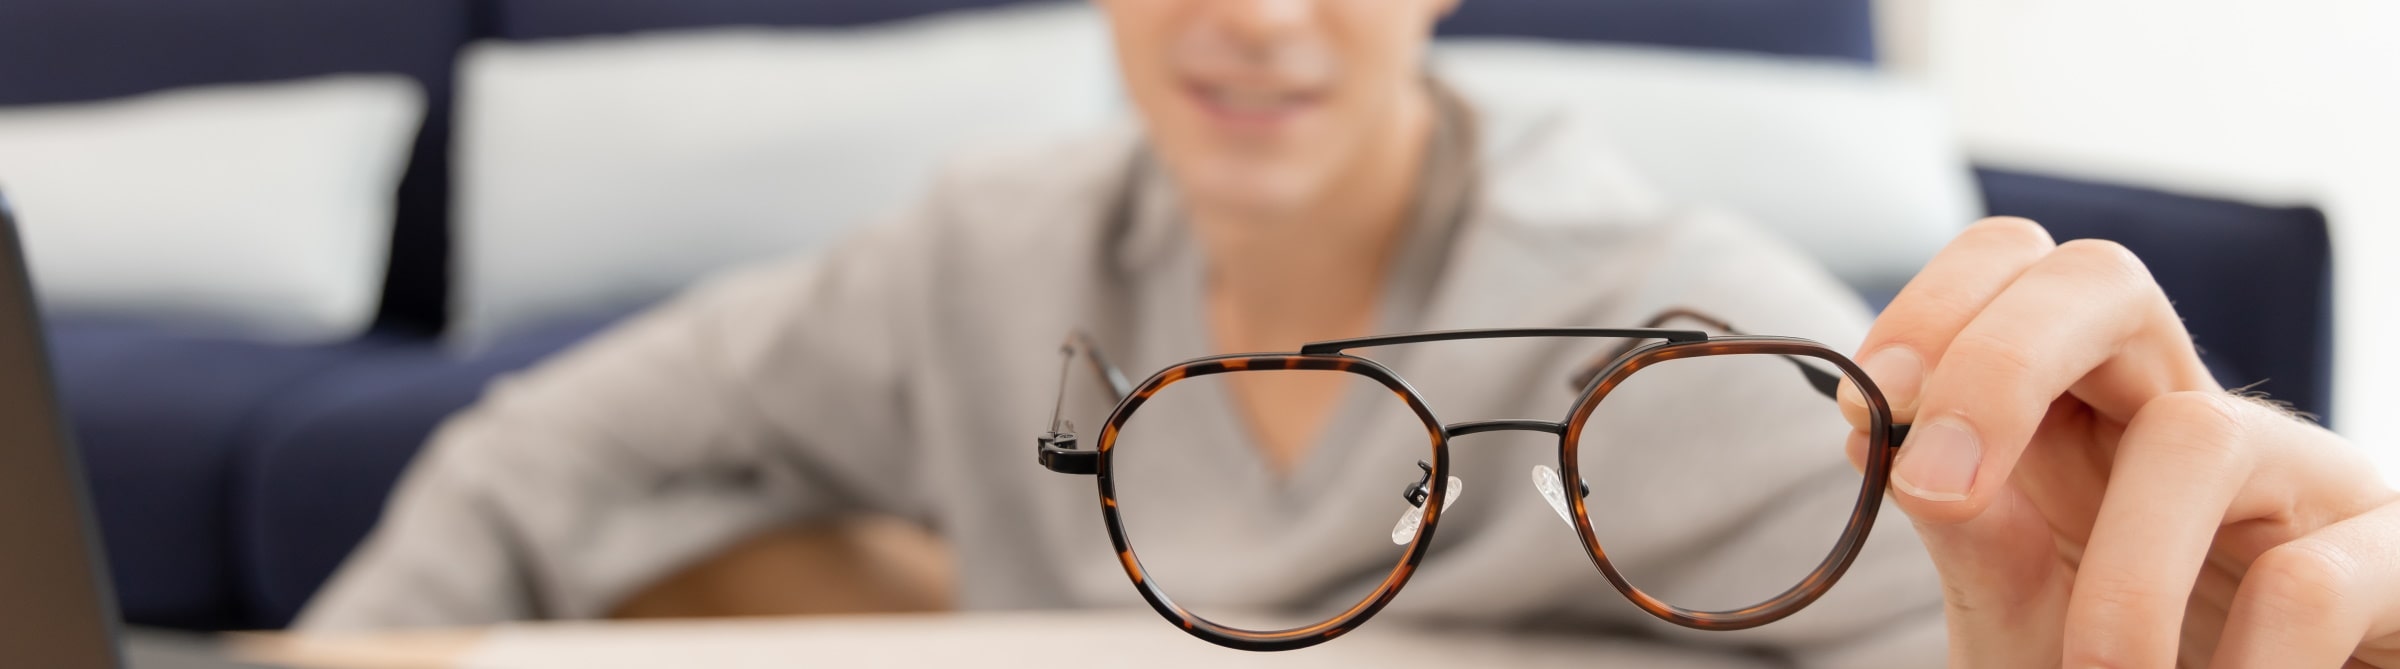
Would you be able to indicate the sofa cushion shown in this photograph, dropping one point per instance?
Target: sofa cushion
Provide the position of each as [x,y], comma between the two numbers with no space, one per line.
[1856,168]
[260,209]
[326,451]
[546,19]
[75,50]
[160,417]
[601,171]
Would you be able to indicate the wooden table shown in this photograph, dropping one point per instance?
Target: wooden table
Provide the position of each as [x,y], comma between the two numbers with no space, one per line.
[1049,640]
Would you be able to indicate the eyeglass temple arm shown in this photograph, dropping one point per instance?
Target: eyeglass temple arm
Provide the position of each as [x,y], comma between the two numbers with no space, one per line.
[1056,448]
[1826,383]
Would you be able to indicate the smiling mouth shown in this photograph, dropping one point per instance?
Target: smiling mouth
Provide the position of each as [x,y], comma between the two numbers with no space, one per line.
[1252,108]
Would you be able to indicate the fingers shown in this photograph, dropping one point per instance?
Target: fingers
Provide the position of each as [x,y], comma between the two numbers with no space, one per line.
[2086,318]
[2178,467]
[1918,325]
[2200,470]
[2310,602]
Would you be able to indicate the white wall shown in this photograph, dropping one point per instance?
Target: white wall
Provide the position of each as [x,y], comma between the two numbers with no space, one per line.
[2296,101]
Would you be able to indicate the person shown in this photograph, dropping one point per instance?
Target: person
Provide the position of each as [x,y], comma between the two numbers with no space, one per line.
[2079,488]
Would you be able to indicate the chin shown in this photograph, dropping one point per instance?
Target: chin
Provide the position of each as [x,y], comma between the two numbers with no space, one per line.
[1250,188]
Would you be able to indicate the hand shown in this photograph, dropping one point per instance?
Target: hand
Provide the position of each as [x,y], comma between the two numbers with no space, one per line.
[2091,497]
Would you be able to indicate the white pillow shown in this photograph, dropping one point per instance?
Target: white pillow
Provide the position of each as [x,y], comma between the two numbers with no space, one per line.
[603,172]
[1858,169]
[264,209]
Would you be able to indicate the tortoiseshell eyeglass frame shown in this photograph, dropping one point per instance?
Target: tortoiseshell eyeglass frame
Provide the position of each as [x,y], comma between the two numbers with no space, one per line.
[1058,451]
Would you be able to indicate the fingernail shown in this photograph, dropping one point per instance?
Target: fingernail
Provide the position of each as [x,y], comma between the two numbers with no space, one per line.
[1938,463]
[1898,372]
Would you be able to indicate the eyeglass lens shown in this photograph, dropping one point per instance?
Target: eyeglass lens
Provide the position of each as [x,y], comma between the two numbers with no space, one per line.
[1717,482]
[1250,537]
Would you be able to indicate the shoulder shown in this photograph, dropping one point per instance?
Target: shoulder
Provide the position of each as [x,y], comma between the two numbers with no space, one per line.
[1015,223]
[1542,165]
[999,220]
[1720,263]
[1032,184]
[986,214]
[1554,190]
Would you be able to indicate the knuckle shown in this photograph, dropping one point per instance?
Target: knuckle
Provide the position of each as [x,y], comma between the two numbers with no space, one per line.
[2010,232]
[2303,580]
[2111,275]
[1992,357]
[2090,259]
[1945,304]
[2121,591]
[2198,423]
[1960,281]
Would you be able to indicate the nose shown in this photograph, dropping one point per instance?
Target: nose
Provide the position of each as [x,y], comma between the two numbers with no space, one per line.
[1262,20]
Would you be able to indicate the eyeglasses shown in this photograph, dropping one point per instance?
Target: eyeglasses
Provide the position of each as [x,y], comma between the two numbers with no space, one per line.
[1702,417]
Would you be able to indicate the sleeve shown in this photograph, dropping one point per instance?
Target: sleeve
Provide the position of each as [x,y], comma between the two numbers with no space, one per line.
[754,400]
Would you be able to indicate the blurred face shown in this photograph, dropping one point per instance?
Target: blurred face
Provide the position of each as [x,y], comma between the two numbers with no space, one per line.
[1260,106]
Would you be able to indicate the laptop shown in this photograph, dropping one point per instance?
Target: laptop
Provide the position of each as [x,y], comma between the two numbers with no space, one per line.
[57,609]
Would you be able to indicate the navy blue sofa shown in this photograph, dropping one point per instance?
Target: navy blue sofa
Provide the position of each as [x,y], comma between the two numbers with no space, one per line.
[231,477]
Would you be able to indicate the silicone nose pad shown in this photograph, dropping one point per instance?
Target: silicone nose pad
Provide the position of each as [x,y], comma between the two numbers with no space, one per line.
[1411,519]
[1546,482]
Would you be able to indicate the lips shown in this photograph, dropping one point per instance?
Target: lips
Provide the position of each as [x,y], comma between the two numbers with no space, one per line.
[1252,107]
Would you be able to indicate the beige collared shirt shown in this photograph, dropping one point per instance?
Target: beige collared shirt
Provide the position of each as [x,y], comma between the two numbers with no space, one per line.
[906,370]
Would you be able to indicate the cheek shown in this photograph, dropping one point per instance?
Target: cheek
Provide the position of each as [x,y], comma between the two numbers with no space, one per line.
[1138,32]
[1383,48]
[1144,34]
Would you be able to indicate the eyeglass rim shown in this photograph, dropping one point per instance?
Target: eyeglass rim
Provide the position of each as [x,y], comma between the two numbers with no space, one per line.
[1297,637]
[1829,570]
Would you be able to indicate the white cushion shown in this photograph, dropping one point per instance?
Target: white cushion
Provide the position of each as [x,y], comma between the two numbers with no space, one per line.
[1858,169]
[261,208]
[603,172]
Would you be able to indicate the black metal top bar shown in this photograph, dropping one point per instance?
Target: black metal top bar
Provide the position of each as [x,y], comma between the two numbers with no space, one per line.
[1480,426]
[1339,345]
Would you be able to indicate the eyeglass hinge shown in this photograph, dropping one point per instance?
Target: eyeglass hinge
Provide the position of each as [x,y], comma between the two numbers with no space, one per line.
[1057,453]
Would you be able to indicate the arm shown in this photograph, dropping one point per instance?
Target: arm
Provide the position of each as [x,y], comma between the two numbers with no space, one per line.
[753,401]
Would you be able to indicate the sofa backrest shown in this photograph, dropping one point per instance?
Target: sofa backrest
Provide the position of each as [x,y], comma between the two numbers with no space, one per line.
[2254,284]
[1842,29]
[76,50]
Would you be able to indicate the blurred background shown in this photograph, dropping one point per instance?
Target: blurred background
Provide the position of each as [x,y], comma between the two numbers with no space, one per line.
[2283,105]
[280,240]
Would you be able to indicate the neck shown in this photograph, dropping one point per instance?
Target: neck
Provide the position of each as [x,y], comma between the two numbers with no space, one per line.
[1316,271]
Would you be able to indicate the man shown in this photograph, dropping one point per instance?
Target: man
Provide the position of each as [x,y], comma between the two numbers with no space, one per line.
[1297,178]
